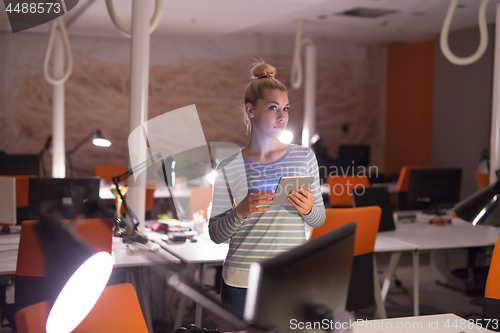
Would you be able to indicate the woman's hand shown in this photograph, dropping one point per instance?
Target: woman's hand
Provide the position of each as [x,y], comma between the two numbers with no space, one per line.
[249,206]
[302,200]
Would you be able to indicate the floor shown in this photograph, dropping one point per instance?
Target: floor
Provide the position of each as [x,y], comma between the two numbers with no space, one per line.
[434,299]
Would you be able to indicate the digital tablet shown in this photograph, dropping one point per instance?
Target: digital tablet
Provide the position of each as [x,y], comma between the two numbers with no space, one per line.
[288,184]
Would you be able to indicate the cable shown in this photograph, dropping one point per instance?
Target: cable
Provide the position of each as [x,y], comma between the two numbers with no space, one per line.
[126,31]
[58,23]
[296,75]
[483,33]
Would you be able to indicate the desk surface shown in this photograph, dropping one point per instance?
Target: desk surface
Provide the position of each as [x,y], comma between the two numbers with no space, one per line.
[438,237]
[9,246]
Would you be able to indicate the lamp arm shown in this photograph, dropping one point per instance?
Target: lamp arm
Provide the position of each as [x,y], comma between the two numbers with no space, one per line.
[81,143]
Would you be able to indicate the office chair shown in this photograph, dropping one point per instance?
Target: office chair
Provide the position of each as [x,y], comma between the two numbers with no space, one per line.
[341,189]
[482,179]
[491,305]
[30,270]
[116,311]
[364,286]
[108,171]
[403,184]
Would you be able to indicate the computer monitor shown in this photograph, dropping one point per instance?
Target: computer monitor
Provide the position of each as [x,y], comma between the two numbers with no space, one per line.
[8,200]
[434,188]
[65,195]
[357,155]
[297,283]
[376,196]
[19,165]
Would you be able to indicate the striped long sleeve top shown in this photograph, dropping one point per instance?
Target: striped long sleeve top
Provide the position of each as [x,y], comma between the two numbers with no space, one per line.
[261,235]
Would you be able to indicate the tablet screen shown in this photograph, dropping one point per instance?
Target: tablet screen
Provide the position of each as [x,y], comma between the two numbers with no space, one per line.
[288,184]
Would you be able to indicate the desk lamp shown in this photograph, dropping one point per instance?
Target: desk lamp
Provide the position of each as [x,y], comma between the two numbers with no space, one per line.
[75,272]
[97,140]
[481,207]
[47,146]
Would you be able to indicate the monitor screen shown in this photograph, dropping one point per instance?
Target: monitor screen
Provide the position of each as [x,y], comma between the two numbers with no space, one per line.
[289,288]
[66,195]
[434,188]
[19,165]
[358,155]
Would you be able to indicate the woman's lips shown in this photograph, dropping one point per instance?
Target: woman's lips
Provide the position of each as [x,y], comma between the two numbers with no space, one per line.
[280,126]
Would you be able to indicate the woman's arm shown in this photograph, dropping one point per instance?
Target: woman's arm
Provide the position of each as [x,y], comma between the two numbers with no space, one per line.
[224,221]
[317,215]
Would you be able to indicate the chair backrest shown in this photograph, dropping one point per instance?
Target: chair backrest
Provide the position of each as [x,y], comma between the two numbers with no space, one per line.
[341,188]
[361,286]
[366,218]
[483,179]
[491,303]
[200,199]
[108,171]
[404,176]
[30,269]
[119,298]
[377,196]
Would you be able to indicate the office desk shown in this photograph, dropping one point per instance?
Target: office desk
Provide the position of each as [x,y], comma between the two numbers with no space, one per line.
[422,237]
[9,245]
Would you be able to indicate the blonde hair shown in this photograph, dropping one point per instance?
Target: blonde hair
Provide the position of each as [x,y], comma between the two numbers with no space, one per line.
[263,78]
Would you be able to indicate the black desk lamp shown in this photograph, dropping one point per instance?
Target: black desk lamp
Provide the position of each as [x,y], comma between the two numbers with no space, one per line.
[47,146]
[482,207]
[97,140]
[76,274]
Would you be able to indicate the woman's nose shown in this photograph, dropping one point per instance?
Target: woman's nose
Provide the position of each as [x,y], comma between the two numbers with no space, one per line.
[280,115]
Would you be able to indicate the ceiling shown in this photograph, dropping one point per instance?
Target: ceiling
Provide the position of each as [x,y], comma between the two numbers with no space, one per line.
[412,20]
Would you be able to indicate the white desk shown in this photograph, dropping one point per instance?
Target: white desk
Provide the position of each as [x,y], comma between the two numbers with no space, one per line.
[9,245]
[421,237]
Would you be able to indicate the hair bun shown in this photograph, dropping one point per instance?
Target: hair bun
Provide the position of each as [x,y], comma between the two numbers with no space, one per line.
[262,71]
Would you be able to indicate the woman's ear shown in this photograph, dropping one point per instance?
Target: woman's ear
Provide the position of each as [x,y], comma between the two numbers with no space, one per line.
[249,110]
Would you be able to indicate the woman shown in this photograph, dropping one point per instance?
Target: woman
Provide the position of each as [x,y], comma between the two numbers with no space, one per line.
[245,181]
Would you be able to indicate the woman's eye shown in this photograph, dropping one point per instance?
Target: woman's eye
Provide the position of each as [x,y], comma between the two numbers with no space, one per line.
[286,109]
[272,107]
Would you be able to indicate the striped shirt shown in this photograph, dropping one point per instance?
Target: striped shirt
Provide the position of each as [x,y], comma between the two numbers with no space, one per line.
[261,235]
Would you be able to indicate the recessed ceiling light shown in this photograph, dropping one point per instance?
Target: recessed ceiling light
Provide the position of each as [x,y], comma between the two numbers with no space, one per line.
[367,12]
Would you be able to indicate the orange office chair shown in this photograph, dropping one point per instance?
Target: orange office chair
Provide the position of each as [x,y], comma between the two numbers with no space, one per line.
[403,184]
[30,269]
[364,287]
[483,179]
[108,171]
[120,298]
[22,197]
[491,304]
[341,189]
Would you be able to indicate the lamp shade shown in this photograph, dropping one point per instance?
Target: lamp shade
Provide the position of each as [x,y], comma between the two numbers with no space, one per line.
[482,207]
[76,274]
[100,141]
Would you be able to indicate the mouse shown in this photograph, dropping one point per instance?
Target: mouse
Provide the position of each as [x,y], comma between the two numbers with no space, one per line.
[6,230]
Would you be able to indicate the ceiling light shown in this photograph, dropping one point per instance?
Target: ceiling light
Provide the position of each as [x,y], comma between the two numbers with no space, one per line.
[367,12]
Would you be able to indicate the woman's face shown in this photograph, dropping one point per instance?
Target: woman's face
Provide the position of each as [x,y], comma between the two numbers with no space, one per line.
[270,116]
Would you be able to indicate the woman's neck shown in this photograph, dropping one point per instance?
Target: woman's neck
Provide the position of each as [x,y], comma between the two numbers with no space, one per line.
[264,150]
